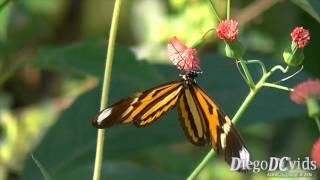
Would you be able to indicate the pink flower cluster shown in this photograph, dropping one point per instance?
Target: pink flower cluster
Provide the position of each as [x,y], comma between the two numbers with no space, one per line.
[228,30]
[182,56]
[185,58]
[315,152]
[300,37]
[305,89]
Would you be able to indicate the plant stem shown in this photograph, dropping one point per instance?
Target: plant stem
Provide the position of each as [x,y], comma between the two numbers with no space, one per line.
[201,165]
[214,10]
[277,86]
[247,73]
[105,87]
[263,67]
[228,9]
[235,119]
[279,67]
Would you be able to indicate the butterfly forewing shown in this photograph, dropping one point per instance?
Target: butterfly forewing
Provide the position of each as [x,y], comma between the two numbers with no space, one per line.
[225,139]
[142,108]
[159,105]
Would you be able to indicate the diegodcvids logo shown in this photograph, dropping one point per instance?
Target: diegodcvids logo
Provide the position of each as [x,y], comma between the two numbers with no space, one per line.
[273,164]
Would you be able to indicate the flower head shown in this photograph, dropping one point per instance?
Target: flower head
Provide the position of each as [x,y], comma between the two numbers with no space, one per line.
[315,152]
[309,88]
[300,37]
[182,56]
[228,30]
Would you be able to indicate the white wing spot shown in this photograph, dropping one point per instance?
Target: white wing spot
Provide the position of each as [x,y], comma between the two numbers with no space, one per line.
[104,115]
[244,154]
[223,137]
[223,140]
[228,120]
[226,128]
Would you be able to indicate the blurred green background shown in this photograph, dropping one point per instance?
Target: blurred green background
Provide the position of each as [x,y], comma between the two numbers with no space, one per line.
[51,66]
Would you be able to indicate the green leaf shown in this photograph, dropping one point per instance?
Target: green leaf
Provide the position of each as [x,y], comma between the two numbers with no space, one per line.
[310,6]
[87,57]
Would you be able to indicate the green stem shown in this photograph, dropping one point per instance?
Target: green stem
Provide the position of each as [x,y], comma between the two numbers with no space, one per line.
[317,122]
[254,61]
[214,10]
[105,87]
[201,165]
[201,41]
[235,119]
[277,86]
[247,73]
[279,67]
[228,9]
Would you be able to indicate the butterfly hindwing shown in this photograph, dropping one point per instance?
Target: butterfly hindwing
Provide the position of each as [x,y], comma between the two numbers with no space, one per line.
[192,118]
[225,139]
[142,108]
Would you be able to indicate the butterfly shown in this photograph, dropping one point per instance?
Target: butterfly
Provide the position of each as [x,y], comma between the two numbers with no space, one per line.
[201,118]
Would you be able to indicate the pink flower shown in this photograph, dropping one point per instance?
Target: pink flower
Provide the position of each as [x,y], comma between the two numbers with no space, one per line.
[305,89]
[228,30]
[182,56]
[300,37]
[315,152]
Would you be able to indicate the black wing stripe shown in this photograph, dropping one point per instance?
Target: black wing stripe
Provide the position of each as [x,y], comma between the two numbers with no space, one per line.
[196,114]
[209,111]
[123,110]
[187,121]
[158,107]
[159,102]
[201,108]
[225,138]
[148,99]
[189,116]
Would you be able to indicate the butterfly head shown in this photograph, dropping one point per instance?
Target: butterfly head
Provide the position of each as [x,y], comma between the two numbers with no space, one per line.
[191,75]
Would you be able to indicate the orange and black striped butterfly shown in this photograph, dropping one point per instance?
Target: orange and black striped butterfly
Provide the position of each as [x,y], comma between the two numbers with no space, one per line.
[201,119]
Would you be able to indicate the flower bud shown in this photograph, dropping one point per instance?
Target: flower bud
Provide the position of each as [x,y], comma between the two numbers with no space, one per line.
[293,55]
[234,49]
